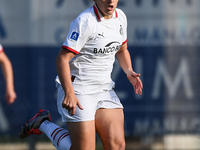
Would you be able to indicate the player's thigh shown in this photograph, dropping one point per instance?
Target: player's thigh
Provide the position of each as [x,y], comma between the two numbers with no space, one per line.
[110,127]
[82,135]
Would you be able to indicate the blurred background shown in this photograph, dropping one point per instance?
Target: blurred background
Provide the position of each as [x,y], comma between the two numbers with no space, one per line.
[163,40]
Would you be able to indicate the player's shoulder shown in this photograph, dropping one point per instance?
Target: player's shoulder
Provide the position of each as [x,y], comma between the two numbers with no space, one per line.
[86,16]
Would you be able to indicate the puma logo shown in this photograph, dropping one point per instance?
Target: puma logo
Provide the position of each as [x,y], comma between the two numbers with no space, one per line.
[101,34]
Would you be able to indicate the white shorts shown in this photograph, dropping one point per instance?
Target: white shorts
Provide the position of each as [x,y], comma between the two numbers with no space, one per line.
[90,103]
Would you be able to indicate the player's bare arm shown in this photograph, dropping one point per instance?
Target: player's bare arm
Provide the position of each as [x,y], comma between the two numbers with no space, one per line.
[8,75]
[124,59]
[63,70]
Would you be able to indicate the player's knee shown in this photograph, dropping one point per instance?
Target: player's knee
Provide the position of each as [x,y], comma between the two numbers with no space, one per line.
[122,145]
[118,145]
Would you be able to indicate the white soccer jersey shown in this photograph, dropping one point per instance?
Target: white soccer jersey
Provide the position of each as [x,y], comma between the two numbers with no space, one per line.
[95,40]
[1,48]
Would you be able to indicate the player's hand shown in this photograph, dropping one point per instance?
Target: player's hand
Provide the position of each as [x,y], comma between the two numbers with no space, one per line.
[136,82]
[10,97]
[70,103]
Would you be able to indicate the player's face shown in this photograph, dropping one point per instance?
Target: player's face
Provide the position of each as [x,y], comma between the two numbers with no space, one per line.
[107,7]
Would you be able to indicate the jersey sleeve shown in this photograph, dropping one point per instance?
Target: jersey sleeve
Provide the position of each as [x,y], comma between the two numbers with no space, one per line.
[77,36]
[125,30]
[1,48]
[123,20]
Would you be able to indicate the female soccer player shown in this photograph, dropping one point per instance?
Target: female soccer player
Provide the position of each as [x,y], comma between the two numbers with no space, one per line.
[86,99]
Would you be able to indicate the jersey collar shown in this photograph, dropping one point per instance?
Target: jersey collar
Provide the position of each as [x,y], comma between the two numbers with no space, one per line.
[99,15]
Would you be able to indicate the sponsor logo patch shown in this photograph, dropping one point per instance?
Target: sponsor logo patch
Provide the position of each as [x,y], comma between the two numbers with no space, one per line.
[74,36]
